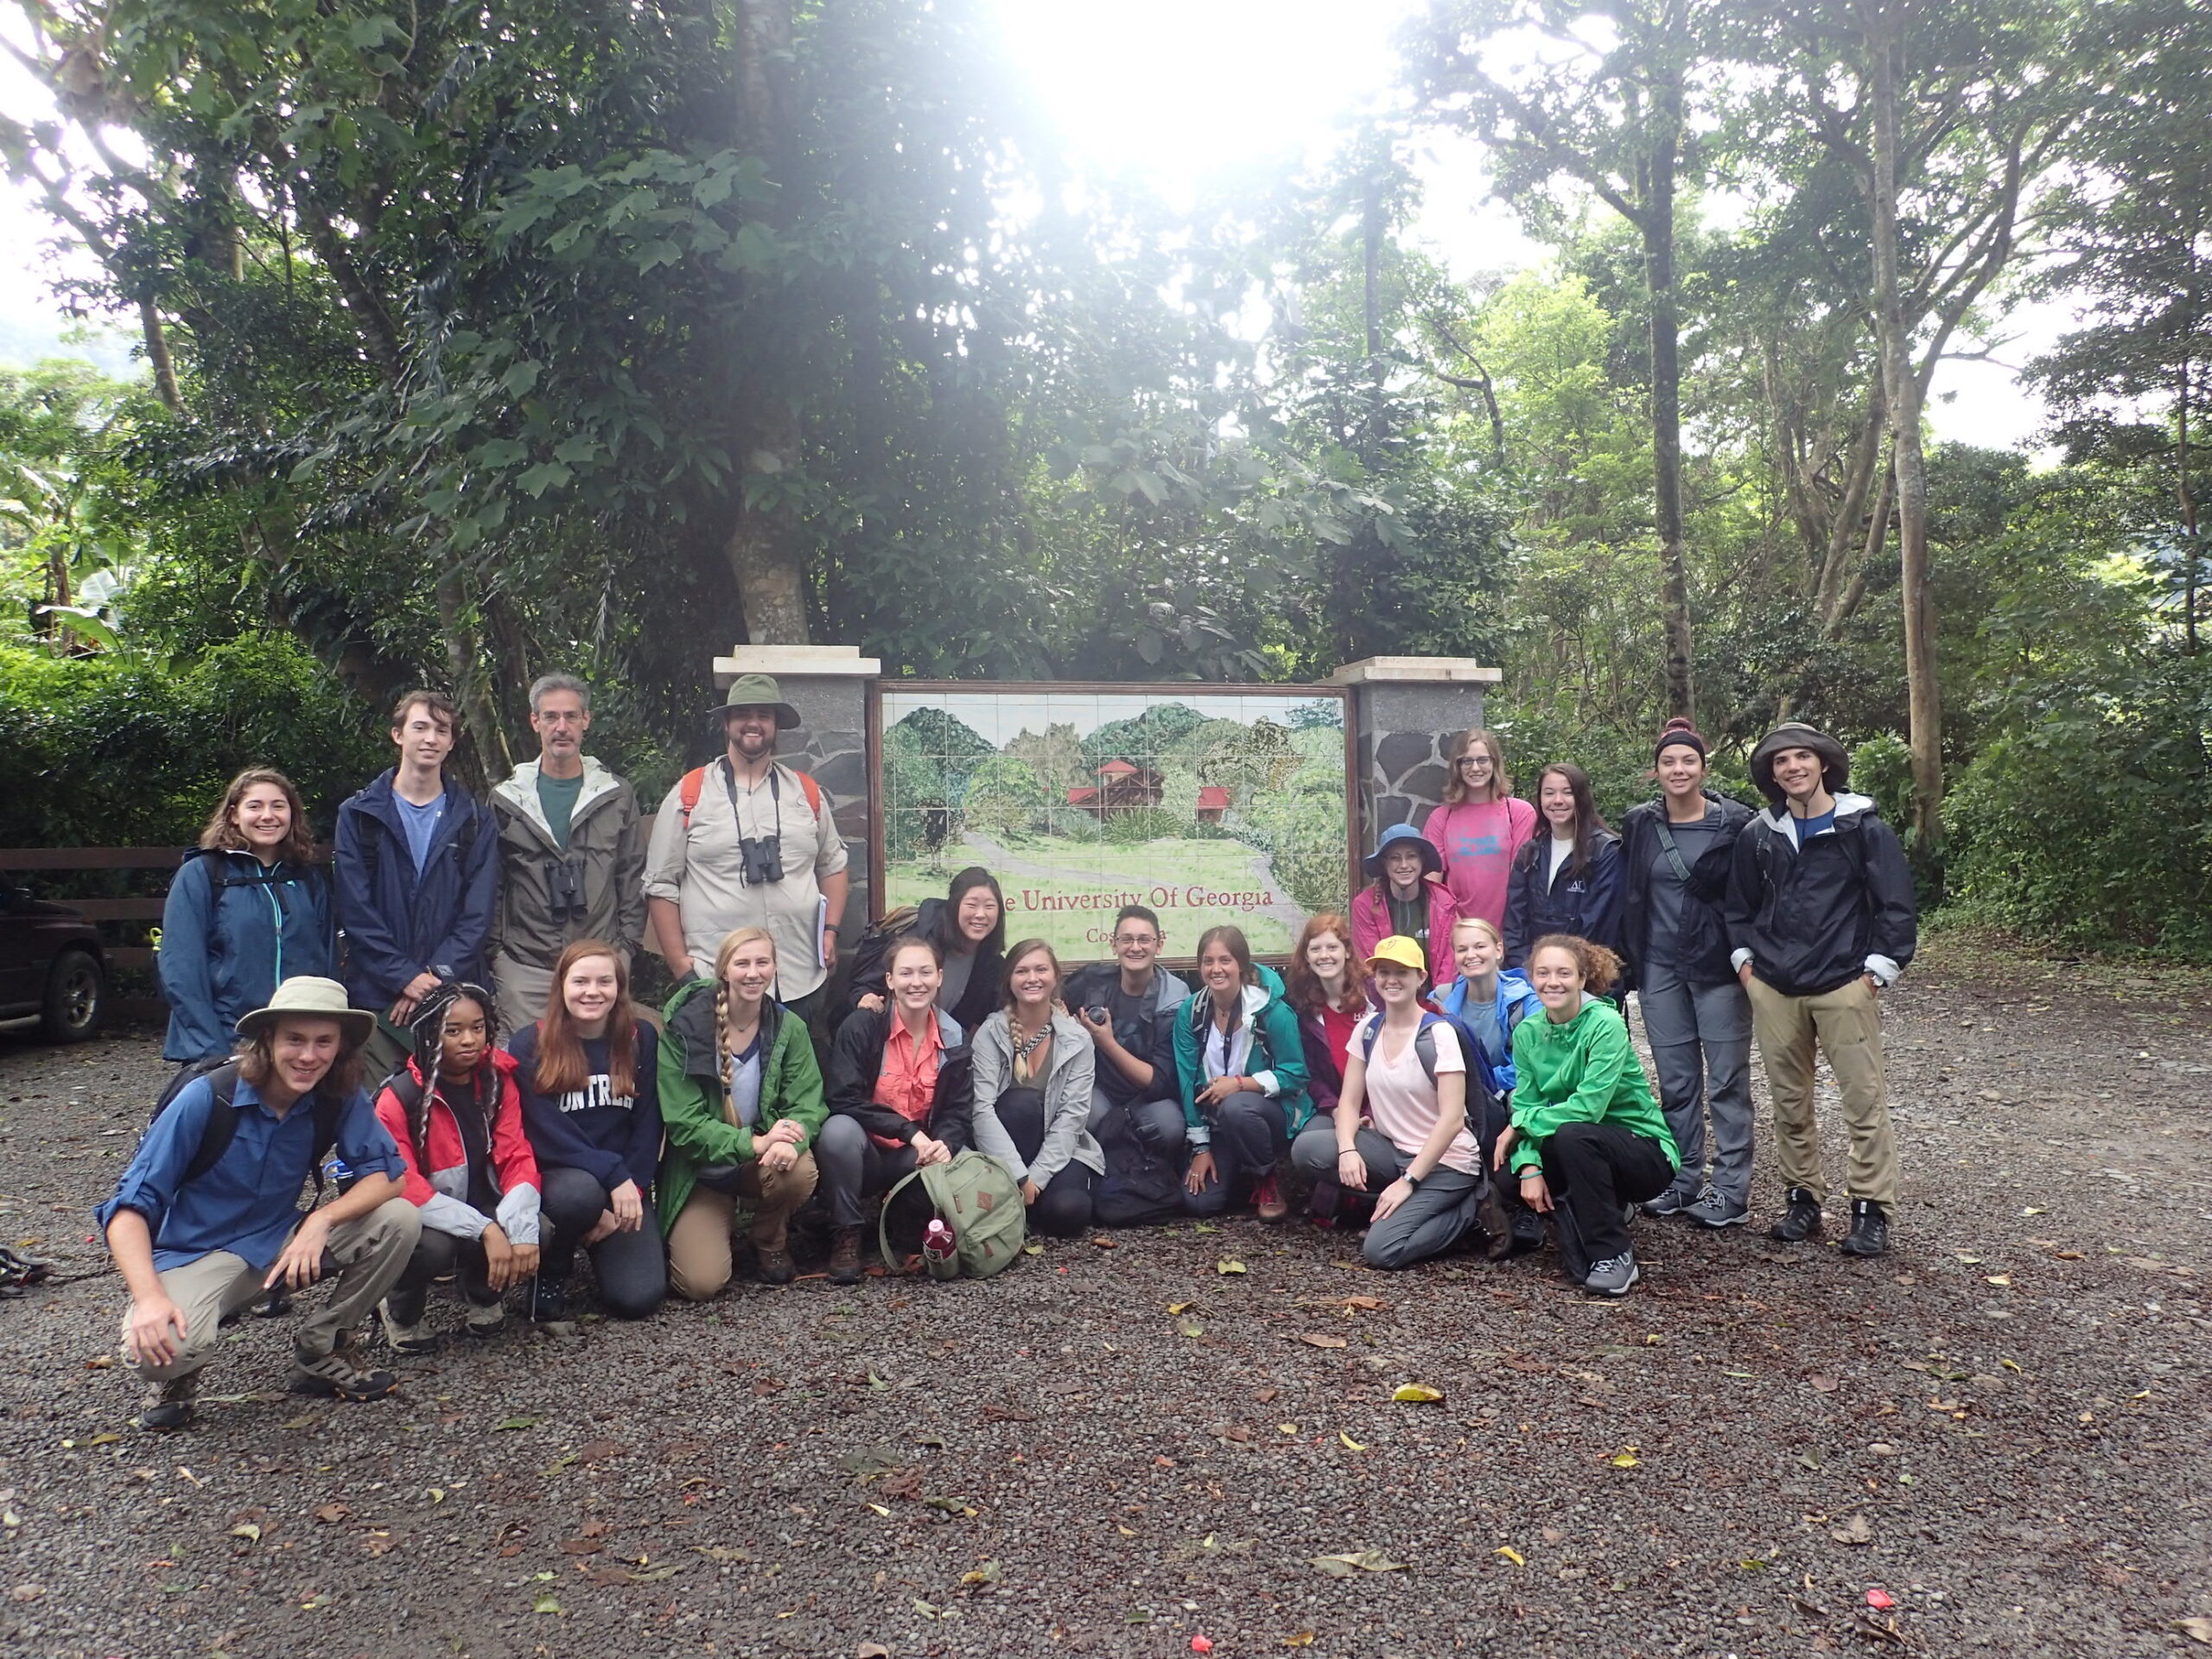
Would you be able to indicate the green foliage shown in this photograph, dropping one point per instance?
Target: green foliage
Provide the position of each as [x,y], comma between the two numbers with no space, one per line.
[1140,824]
[1005,799]
[114,750]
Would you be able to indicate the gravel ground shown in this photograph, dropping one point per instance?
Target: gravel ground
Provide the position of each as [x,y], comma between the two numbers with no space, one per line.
[1126,1443]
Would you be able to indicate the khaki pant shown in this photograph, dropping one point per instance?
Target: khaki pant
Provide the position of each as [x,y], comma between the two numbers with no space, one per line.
[698,1245]
[368,1254]
[1845,1024]
[523,992]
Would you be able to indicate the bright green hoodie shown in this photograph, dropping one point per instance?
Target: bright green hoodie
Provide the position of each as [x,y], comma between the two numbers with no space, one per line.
[1583,1071]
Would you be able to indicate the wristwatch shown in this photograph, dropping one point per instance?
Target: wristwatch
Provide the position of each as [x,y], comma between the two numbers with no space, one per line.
[1412,1181]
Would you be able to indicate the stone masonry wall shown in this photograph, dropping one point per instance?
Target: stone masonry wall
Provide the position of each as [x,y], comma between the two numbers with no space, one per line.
[1406,732]
[832,743]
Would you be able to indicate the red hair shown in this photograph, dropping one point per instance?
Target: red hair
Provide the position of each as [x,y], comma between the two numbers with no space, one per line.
[562,1067]
[1302,985]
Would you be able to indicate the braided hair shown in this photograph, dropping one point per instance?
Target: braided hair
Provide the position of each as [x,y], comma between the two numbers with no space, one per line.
[429,1030]
[730,945]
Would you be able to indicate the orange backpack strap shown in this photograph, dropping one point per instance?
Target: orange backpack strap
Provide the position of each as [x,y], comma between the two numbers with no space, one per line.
[686,793]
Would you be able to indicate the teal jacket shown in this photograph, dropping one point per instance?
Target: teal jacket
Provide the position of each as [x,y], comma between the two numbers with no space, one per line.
[1277,1063]
[698,1129]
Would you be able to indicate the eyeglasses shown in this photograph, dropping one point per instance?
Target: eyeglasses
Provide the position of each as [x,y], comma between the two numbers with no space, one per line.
[1136,939]
[1477,760]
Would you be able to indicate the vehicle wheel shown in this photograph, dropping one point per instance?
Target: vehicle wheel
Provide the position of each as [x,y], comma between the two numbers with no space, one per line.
[76,998]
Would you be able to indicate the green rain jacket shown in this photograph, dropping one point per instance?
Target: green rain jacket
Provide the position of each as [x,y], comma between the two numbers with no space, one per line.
[1583,1072]
[693,1116]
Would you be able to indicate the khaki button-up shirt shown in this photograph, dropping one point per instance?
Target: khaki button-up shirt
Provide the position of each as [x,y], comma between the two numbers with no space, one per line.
[703,870]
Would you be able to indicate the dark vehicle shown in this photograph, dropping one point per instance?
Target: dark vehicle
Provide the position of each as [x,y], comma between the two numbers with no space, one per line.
[51,967]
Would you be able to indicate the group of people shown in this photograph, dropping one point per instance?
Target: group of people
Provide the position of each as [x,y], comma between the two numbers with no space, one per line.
[445,1018]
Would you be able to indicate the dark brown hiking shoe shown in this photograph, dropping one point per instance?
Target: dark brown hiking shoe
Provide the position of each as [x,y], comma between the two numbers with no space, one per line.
[845,1256]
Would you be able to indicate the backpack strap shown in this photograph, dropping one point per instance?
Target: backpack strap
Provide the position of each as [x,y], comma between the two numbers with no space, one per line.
[222,1124]
[883,1216]
[694,783]
[1424,1041]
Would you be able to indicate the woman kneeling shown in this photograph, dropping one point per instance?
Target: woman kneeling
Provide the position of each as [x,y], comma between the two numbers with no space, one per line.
[740,1100]
[1405,1067]
[1034,1067]
[1585,1136]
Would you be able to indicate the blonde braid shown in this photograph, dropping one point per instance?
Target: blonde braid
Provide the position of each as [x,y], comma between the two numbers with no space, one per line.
[722,1045]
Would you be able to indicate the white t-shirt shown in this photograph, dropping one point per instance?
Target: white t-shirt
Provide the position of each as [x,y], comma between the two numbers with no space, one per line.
[1402,1101]
[1561,851]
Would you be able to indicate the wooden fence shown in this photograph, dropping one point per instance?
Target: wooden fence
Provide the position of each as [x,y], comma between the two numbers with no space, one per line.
[138,912]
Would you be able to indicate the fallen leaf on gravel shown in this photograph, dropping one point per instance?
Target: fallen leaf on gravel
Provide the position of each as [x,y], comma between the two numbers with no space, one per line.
[1365,1304]
[1236,1431]
[1303,1639]
[1201,1644]
[581,1546]
[545,1605]
[1824,1384]
[1351,1444]
[565,1460]
[330,1512]
[2031,1211]
[247,1530]
[100,1362]
[1205,1227]
[995,1413]
[1228,1266]
[869,1462]
[720,1553]
[1265,1394]
[1511,1555]
[437,1494]
[1288,1428]
[653,1574]
[513,1424]
[27,1592]
[881,1510]
[1321,1339]
[2197,1629]
[1995,1279]
[97,1439]
[1366,1560]
[1418,1394]
[1853,1531]
[1970,1261]
[1106,1243]
[1033,1248]
[987,1573]
[1880,1599]
[1626,1458]
[1181,1307]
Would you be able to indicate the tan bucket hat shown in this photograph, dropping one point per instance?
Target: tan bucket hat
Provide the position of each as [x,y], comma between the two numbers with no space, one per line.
[309,996]
[759,691]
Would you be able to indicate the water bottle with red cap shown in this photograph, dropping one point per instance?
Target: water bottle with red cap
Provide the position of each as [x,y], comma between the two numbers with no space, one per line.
[937,1250]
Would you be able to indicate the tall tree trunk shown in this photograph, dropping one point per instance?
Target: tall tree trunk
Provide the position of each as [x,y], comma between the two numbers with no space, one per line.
[487,756]
[1883,24]
[766,556]
[1658,226]
[2186,498]
[158,354]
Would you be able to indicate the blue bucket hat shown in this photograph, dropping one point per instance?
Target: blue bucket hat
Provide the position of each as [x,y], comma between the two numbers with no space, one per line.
[1431,861]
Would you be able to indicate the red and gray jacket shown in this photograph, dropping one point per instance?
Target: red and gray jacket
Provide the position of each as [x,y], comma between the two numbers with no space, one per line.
[460,1177]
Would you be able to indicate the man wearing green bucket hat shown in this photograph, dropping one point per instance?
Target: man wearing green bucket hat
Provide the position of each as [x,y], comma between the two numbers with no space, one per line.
[748,841]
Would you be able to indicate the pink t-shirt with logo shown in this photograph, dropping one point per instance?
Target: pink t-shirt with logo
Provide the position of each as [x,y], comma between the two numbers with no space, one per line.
[1477,840]
[1401,1100]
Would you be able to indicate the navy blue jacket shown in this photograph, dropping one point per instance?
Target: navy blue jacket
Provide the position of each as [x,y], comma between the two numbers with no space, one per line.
[1701,954]
[230,929]
[1588,905]
[398,925]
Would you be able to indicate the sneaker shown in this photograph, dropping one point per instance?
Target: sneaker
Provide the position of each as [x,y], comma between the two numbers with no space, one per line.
[1672,1202]
[1870,1230]
[845,1256]
[1267,1199]
[408,1339]
[774,1266]
[485,1320]
[335,1373]
[1613,1277]
[1800,1220]
[169,1405]
[548,1309]
[1711,1210]
[1528,1231]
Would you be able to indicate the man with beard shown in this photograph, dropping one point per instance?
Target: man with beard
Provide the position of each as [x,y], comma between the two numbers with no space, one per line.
[747,841]
[572,854]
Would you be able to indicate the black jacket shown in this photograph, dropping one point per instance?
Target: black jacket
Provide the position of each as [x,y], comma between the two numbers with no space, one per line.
[1588,905]
[1094,985]
[1701,955]
[978,1003]
[1815,919]
[856,1060]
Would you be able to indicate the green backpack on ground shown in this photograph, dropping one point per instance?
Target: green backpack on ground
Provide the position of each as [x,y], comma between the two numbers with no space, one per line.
[981,1202]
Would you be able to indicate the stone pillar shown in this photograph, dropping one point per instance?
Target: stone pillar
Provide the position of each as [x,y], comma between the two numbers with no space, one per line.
[1405,711]
[827,684]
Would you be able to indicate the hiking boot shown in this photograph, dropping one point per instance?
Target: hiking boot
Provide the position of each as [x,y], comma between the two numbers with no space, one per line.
[1497,1225]
[1712,1210]
[408,1338]
[1800,1220]
[487,1319]
[1267,1199]
[276,1306]
[1613,1277]
[1870,1230]
[18,1270]
[169,1405]
[548,1309]
[774,1265]
[335,1374]
[1528,1231]
[845,1256]
[1672,1202]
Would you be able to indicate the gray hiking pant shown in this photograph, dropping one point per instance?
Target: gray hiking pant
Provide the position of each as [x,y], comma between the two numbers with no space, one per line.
[1701,1047]
[1428,1223]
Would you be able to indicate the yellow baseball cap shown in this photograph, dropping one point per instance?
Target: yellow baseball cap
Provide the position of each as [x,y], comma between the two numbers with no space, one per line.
[1401,952]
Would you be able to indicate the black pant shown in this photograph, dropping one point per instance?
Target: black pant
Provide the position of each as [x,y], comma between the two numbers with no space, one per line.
[436,1255]
[632,1268]
[1250,1137]
[1594,1170]
[1062,1209]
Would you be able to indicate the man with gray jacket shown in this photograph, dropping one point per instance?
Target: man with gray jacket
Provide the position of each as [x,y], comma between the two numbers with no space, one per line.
[572,854]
